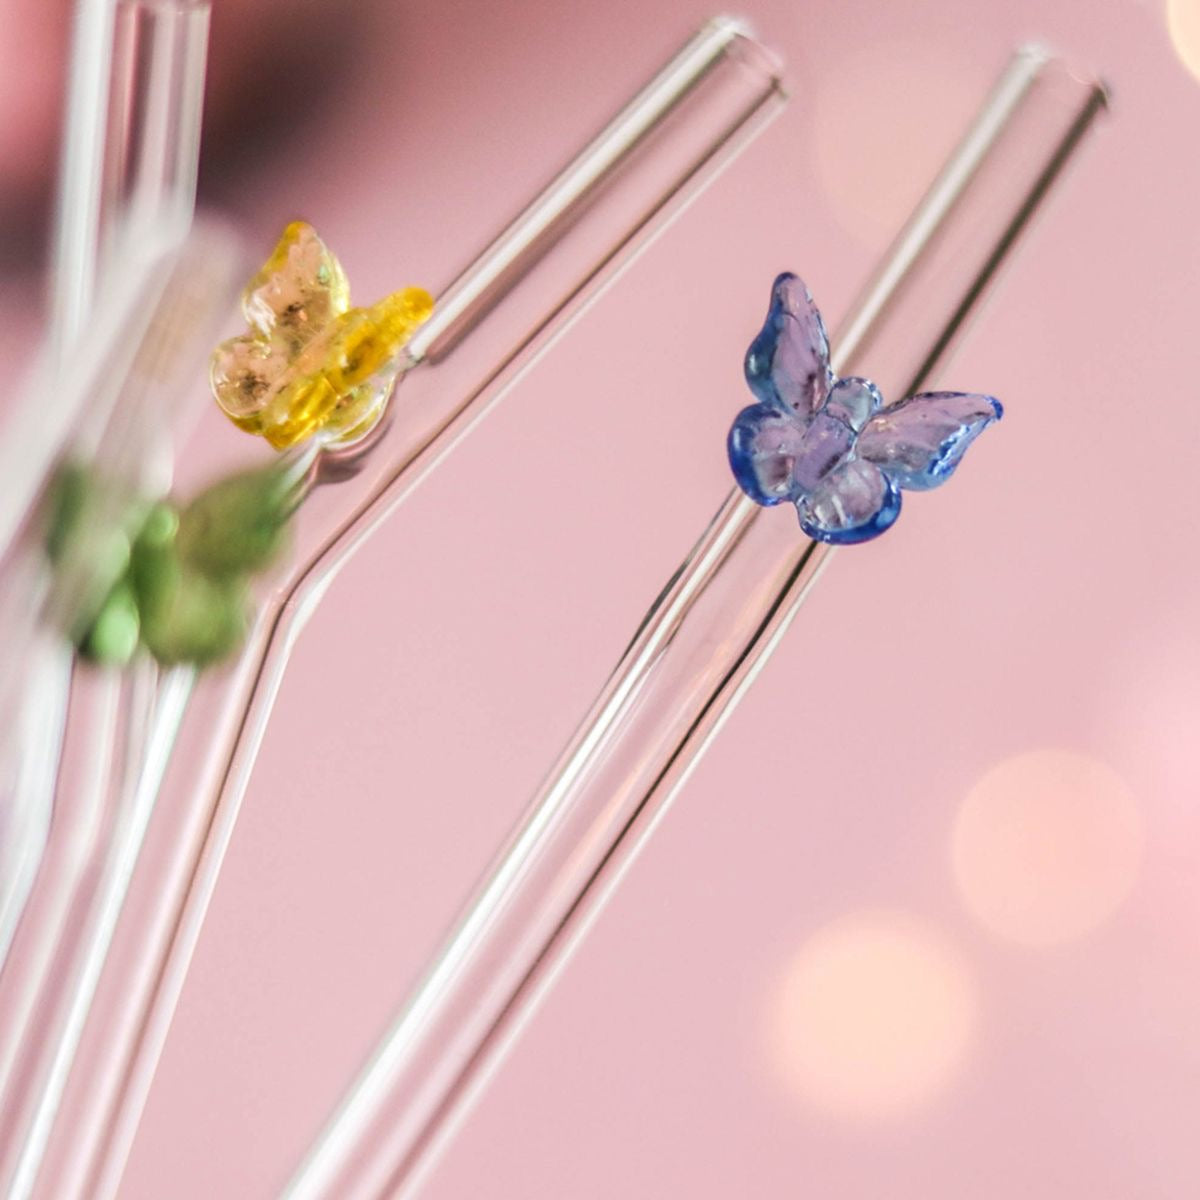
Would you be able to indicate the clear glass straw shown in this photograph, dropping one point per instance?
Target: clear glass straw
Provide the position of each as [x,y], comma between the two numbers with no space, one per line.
[699,647]
[119,156]
[520,293]
[126,197]
[127,187]
[112,758]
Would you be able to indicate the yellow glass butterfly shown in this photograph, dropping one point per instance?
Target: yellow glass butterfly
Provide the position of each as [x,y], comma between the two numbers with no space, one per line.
[311,362]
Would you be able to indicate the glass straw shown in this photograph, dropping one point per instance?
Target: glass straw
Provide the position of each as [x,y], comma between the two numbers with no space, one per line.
[126,190]
[112,758]
[126,195]
[698,649]
[127,187]
[519,294]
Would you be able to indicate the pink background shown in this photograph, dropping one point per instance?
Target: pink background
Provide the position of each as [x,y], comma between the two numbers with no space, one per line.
[829,973]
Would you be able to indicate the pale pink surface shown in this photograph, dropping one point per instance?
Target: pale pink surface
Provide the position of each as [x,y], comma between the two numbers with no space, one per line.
[453,656]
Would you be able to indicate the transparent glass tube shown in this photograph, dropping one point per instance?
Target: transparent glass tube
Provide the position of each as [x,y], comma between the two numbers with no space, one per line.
[113,152]
[160,51]
[35,691]
[112,759]
[126,191]
[696,652]
[77,234]
[520,293]
[126,197]
[86,820]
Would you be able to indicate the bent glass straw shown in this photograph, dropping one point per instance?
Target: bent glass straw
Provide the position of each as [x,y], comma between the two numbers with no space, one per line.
[697,650]
[692,119]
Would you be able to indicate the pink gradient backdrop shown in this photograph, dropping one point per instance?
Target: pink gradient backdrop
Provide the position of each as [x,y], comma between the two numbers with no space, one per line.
[1046,602]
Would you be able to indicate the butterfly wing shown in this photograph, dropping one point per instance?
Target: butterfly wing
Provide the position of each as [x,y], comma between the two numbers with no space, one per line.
[243,372]
[300,289]
[787,365]
[853,503]
[919,441]
[299,293]
[764,444]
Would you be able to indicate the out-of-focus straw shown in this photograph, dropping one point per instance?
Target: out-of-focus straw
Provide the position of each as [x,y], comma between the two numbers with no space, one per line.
[120,730]
[125,199]
[126,196]
[126,192]
[520,293]
[700,646]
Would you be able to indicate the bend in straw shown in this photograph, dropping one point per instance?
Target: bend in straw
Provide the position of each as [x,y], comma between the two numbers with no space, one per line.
[531,281]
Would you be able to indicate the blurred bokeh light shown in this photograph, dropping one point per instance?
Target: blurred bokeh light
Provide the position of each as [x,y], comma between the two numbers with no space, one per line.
[873,1017]
[1046,846]
[1183,21]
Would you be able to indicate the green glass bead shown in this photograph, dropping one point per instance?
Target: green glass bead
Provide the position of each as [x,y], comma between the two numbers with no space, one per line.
[178,579]
[195,619]
[161,525]
[65,501]
[187,616]
[238,525]
[91,558]
[113,637]
[155,569]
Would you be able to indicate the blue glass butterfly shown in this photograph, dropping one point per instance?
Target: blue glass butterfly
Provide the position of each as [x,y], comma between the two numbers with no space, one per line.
[829,445]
